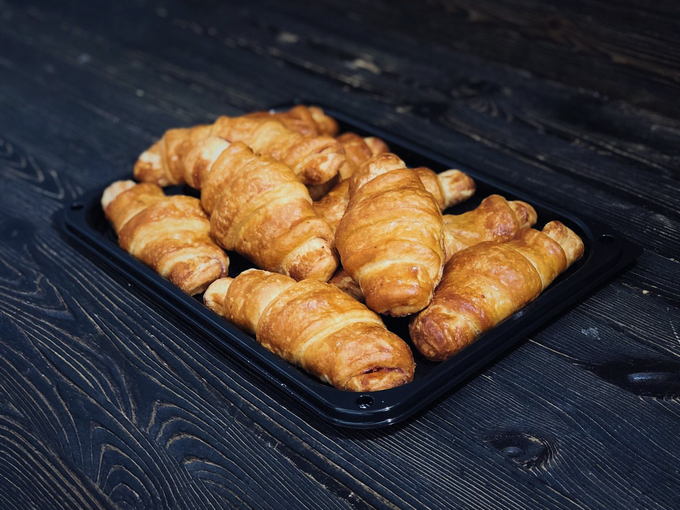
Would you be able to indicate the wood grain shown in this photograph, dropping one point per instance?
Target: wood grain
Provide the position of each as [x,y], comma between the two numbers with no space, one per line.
[107,402]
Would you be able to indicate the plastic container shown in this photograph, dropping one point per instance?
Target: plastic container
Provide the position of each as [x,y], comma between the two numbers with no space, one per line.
[606,254]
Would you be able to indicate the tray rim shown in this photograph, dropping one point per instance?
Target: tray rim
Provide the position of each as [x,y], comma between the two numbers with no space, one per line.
[607,253]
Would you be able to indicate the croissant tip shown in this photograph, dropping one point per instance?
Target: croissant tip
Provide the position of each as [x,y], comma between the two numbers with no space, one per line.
[313,260]
[429,333]
[456,186]
[570,242]
[525,213]
[113,190]
[215,294]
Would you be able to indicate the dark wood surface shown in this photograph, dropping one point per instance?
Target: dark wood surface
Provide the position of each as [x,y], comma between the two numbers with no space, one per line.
[106,402]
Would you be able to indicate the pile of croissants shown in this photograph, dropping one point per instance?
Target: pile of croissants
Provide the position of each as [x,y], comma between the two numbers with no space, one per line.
[342,231]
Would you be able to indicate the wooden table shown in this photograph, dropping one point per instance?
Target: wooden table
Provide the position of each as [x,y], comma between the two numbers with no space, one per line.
[105,401]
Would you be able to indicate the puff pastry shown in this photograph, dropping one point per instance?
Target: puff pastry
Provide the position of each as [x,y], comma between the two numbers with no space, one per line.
[258,208]
[488,282]
[390,239]
[314,159]
[316,326]
[494,219]
[168,233]
[358,150]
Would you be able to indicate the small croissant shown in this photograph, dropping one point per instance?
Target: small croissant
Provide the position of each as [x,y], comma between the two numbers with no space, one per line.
[258,208]
[314,159]
[359,150]
[391,239]
[494,219]
[168,233]
[316,326]
[488,282]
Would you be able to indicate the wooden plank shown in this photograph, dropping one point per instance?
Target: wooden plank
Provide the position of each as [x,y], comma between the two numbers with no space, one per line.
[620,51]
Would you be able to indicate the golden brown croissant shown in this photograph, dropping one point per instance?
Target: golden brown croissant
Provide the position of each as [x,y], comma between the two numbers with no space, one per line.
[170,234]
[258,208]
[162,163]
[314,159]
[316,326]
[488,282]
[448,188]
[391,237]
[306,120]
[495,219]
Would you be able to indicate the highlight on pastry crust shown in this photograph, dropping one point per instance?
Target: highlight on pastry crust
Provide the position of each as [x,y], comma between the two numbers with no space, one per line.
[341,342]
[258,208]
[486,283]
[315,159]
[390,239]
[168,233]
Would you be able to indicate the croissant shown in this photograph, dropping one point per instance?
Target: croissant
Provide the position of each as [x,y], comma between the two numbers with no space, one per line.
[391,239]
[488,282]
[169,234]
[495,219]
[316,326]
[306,120]
[258,208]
[448,188]
[314,159]
[162,163]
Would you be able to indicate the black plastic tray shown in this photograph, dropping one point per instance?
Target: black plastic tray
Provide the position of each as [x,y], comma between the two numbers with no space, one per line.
[606,254]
